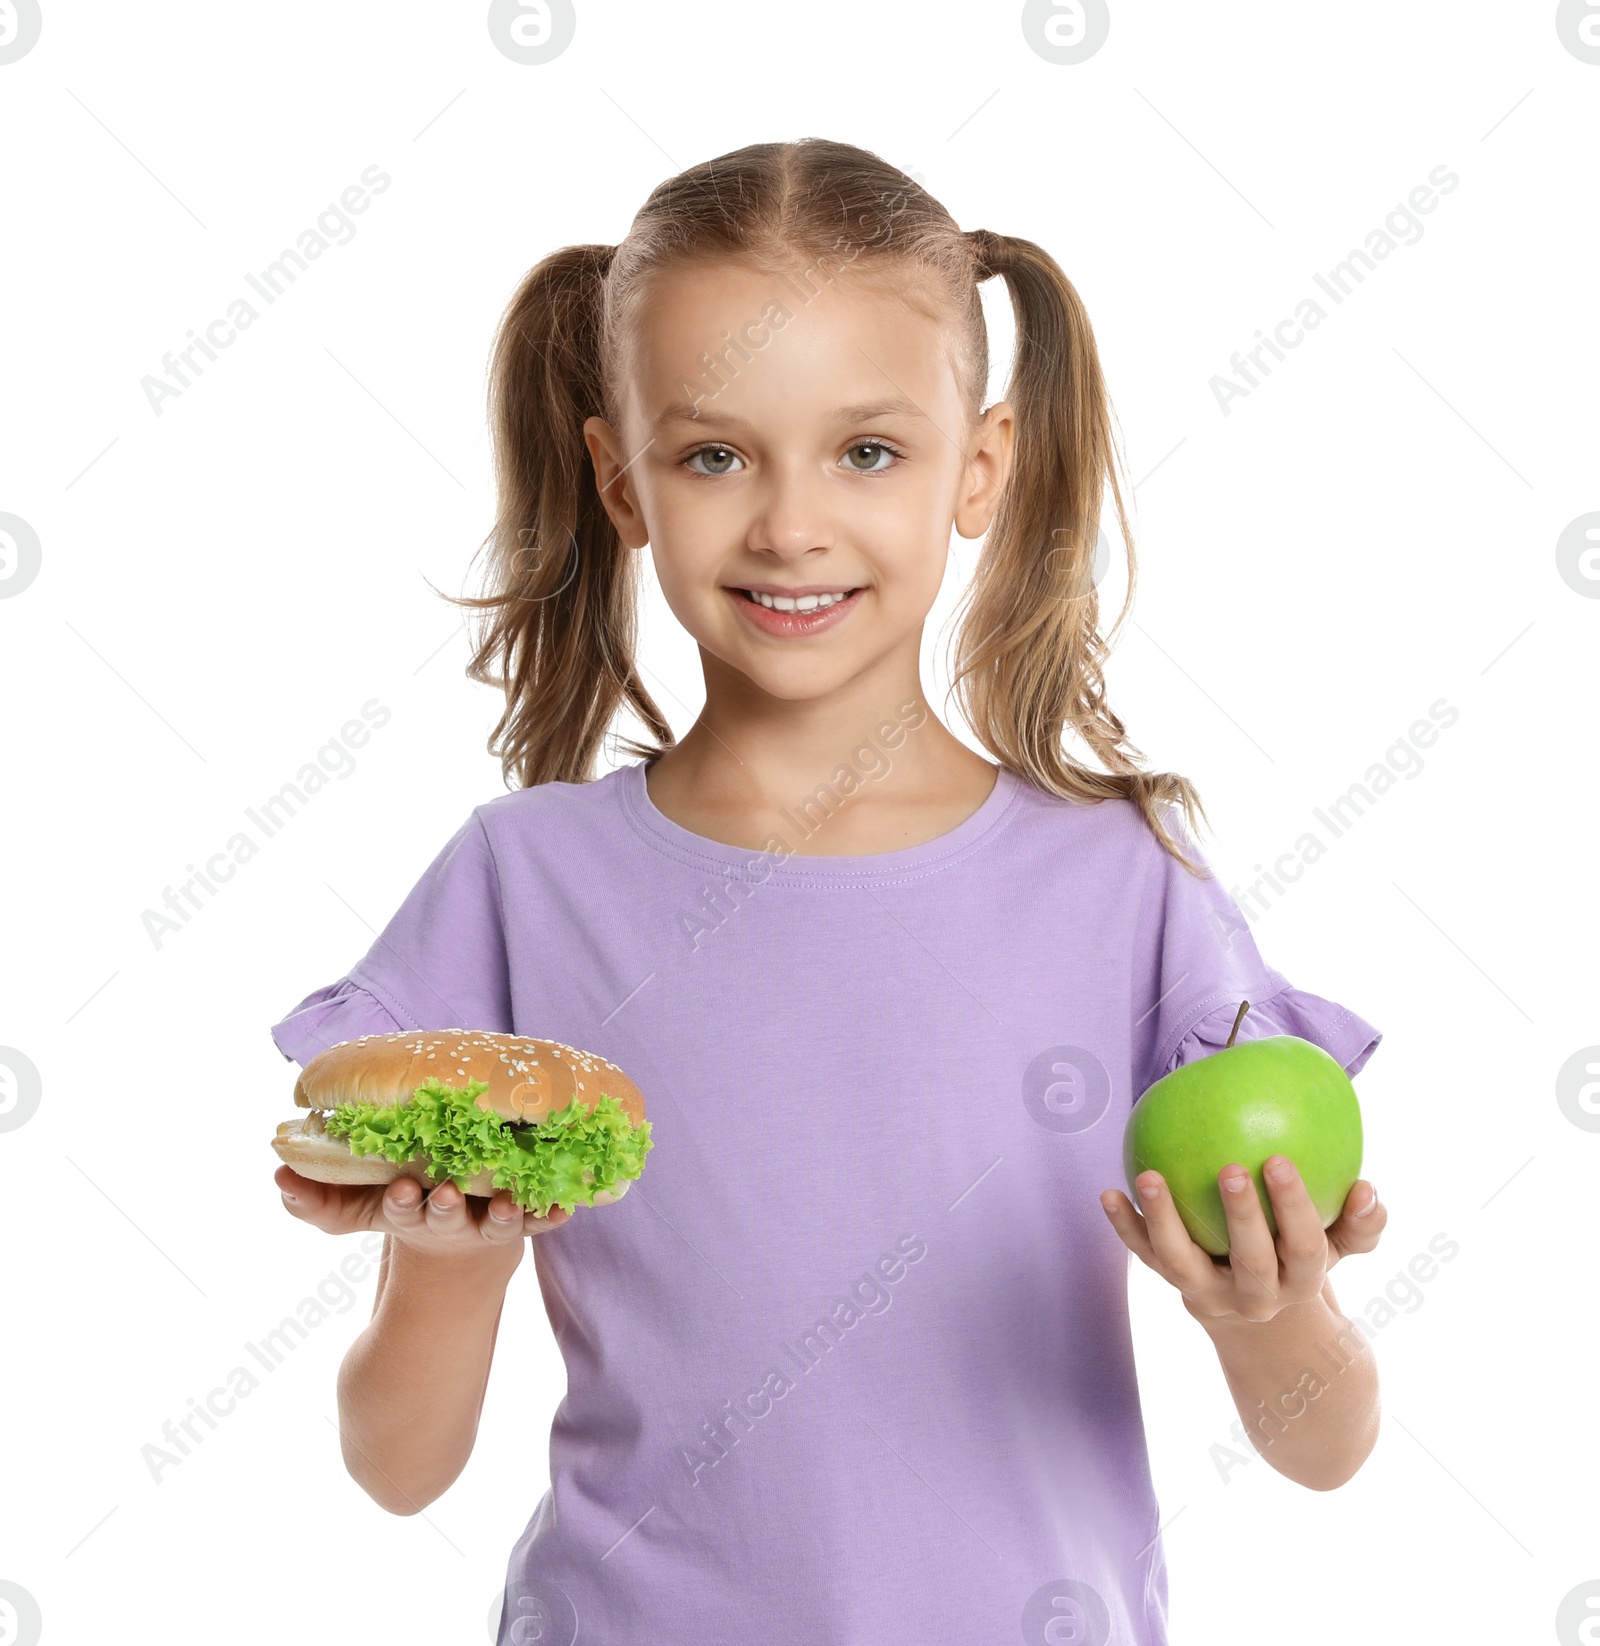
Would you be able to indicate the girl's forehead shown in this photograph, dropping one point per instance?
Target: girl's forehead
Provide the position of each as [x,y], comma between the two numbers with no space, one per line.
[730,292]
[857,332]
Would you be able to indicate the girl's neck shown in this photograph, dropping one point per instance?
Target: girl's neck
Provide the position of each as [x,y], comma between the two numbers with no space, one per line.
[898,781]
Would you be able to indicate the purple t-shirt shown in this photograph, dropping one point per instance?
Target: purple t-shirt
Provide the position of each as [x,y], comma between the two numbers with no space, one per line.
[851,1361]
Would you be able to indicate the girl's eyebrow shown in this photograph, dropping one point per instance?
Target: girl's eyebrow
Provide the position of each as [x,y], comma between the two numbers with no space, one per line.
[866,413]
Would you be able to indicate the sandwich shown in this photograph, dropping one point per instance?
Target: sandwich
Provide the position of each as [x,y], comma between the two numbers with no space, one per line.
[553,1125]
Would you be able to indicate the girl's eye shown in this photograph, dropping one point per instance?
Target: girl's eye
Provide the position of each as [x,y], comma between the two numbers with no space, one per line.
[869,455]
[720,460]
[715,460]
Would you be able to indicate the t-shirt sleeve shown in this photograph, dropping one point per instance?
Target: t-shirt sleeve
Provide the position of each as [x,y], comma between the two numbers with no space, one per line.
[1197,960]
[440,963]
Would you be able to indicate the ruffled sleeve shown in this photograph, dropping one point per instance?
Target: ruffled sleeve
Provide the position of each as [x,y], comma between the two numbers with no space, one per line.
[1197,960]
[440,963]
[1335,1028]
[335,1012]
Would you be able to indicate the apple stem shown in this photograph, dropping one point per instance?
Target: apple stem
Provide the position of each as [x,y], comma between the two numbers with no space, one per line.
[1244,1006]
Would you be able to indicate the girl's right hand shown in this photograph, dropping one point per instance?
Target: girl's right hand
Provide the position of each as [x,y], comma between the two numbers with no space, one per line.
[443,1222]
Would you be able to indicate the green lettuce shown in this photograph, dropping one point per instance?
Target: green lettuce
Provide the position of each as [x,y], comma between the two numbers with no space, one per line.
[569,1157]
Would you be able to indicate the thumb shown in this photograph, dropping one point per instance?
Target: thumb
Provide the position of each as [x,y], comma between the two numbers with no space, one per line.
[1358,1227]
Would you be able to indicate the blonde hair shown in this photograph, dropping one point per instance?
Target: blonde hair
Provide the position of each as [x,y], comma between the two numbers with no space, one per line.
[560,633]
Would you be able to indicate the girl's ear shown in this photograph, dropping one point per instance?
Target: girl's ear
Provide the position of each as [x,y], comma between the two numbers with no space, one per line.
[614,483]
[988,469]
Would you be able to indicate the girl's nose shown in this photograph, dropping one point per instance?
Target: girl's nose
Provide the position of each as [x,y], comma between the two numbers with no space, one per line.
[792,514]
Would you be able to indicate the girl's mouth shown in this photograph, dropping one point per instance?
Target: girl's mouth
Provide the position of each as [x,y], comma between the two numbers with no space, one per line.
[797,622]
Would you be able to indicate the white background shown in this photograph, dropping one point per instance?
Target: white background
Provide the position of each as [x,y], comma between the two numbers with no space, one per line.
[222,586]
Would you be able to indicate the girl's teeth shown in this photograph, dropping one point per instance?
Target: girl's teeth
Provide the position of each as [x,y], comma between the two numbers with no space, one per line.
[805,603]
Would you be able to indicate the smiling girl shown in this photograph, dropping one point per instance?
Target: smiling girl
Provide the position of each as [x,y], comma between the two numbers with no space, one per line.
[851,1363]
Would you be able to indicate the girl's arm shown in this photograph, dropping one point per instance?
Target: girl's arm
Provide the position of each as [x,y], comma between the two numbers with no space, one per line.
[1300,1373]
[1305,1385]
[411,1386]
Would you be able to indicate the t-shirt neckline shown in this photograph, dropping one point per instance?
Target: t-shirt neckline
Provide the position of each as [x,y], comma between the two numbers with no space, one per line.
[796,868]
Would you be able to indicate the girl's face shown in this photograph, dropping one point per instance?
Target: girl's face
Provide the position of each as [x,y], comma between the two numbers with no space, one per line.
[799,447]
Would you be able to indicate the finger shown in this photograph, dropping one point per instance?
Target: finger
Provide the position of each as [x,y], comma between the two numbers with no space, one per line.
[1302,1247]
[322,1205]
[1130,1227]
[1251,1254]
[446,1210]
[1180,1259]
[403,1204]
[502,1219]
[556,1216]
[294,1188]
[1359,1224]
[298,1191]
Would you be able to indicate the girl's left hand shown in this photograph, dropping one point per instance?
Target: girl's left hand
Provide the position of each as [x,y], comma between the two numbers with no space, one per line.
[1258,1278]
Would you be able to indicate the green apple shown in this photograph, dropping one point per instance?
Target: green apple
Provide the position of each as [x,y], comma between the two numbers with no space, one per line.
[1277,1095]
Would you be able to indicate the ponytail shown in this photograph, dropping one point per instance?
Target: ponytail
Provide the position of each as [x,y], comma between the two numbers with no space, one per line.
[1037,665]
[562,630]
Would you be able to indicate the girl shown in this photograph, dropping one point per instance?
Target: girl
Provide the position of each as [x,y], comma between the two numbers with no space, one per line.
[851,1362]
